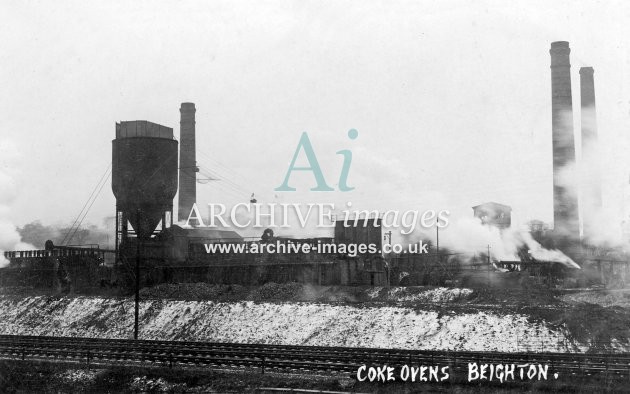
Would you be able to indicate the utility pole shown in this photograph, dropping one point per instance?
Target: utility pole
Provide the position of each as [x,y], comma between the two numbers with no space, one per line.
[388,237]
[437,242]
[488,265]
[137,302]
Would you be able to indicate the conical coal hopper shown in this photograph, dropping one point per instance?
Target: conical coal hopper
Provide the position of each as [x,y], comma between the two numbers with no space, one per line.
[144,221]
[144,173]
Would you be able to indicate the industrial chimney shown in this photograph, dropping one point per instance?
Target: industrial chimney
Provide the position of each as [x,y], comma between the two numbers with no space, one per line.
[592,179]
[565,208]
[187,161]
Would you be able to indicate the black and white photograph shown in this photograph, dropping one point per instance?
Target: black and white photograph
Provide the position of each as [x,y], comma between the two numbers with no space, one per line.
[312,196]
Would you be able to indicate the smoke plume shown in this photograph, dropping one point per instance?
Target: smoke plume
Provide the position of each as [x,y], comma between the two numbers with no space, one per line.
[601,222]
[470,236]
[37,234]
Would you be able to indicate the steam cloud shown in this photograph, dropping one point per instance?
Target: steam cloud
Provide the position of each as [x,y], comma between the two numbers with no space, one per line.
[601,222]
[469,236]
[9,237]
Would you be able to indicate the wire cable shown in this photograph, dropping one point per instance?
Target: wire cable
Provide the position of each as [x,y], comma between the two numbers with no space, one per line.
[86,203]
[88,209]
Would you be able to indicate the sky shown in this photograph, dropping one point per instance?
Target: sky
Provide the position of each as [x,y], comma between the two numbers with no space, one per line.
[451,99]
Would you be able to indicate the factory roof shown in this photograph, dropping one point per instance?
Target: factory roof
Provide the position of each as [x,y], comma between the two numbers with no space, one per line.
[204,233]
[142,128]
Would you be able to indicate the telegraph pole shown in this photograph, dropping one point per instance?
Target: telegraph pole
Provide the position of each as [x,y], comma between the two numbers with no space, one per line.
[388,237]
[488,265]
[137,301]
[437,242]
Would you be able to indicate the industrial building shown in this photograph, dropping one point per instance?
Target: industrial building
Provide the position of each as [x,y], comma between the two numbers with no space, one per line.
[144,181]
[150,167]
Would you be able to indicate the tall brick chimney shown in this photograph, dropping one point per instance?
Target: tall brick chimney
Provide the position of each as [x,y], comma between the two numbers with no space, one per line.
[565,206]
[592,177]
[187,161]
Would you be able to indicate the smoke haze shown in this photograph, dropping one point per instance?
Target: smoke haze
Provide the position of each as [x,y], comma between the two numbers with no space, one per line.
[37,234]
[9,237]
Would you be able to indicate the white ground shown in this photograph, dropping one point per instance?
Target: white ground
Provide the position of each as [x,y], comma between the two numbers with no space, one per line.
[431,295]
[273,323]
[607,299]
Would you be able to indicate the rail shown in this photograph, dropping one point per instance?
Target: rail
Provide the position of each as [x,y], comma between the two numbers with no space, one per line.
[288,357]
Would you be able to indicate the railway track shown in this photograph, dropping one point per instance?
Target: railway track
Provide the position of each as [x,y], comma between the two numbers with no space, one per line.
[287,358]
